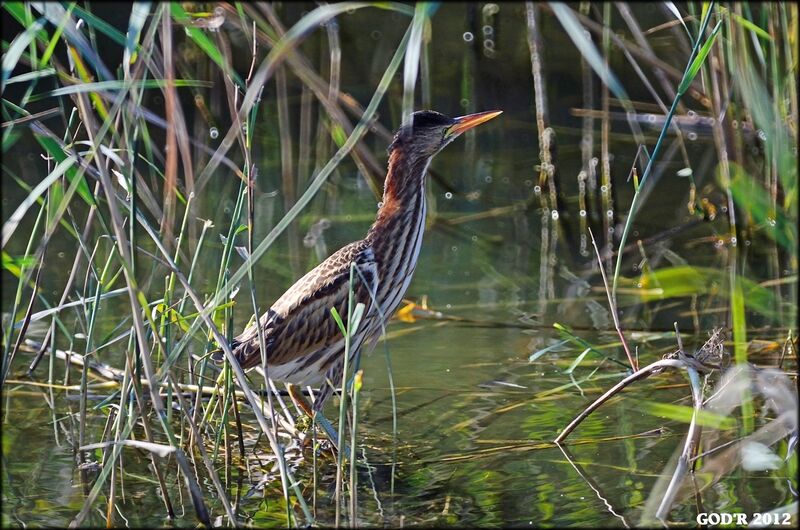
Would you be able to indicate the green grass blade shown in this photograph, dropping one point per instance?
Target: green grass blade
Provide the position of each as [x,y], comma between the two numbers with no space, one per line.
[674,10]
[698,61]
[751,196]
[203,42]
[11,224]
[684,414]
[411,61]
[18,45]
[136,22]
[51,146]
[751,27]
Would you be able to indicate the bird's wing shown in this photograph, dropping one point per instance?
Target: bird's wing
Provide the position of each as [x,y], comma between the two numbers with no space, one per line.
[300,321]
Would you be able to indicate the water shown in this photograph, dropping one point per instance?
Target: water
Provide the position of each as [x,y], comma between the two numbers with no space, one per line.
[475,418]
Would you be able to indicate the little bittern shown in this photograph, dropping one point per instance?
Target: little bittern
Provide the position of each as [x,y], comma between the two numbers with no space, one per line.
[303,342]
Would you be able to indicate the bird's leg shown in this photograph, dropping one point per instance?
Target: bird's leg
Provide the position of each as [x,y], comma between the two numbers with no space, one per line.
[315,412]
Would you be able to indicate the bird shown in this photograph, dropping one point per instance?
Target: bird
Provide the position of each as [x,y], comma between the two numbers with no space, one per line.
[304,345]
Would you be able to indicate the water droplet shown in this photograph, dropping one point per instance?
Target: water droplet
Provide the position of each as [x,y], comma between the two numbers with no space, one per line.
[468,36]
[375,34]
[692,136]
[488,178]
[488,30]
[537,189]
[213,133]
[554,215]
[464,103]
[582,213]
[448,195]
[454,248]
[604,189]
[610,214]
[490,9]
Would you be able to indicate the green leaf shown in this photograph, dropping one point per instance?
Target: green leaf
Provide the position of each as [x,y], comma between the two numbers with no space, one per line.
[355,318]
[338,135]
[752,27]
[674,10]
[18,45]
[691,73]
[16,10]
[28,76]
[54,149]
[11,224]
[684,414]
[100,86]
[14,265]
[751,196]
[201,39]
[534,356]
[136,21]
[577,361]
[100,25]
[685,280]
[55,13]
[338,320]
[51,46]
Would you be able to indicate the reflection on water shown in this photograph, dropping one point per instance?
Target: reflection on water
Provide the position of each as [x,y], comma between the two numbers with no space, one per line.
[502,260]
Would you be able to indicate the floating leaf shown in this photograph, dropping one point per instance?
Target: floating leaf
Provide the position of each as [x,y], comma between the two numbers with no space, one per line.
[684,280]
[684,414]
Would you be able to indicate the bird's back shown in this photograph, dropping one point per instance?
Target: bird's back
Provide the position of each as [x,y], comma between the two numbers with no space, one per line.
[299,329]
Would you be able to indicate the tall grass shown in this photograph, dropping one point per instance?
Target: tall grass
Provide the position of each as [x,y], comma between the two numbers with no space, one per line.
[121,152]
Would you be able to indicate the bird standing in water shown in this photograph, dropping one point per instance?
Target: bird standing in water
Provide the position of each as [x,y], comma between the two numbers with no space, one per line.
[304,344]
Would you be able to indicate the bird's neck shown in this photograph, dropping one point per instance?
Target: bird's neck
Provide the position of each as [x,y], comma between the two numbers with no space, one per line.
[403,191]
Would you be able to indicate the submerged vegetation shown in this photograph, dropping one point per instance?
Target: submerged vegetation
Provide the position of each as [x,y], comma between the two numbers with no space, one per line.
[169,169]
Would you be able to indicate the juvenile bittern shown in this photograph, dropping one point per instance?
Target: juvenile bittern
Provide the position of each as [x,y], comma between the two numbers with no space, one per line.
[304,344]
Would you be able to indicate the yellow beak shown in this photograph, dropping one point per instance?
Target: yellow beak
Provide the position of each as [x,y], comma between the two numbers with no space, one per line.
[465,123]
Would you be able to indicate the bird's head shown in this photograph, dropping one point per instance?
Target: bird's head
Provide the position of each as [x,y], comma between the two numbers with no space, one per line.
[429,132]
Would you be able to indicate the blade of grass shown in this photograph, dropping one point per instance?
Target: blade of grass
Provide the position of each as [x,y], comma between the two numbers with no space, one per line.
[693,66]
[17,47]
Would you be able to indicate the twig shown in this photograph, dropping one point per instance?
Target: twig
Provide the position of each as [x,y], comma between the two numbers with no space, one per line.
[692,439]
[644,373]
[612,306]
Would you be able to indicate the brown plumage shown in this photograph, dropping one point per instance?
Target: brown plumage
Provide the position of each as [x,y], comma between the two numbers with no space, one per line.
[304,344]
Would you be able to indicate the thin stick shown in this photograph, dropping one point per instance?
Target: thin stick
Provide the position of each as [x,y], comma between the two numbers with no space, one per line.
[644,373]
[692,438]
[612,305]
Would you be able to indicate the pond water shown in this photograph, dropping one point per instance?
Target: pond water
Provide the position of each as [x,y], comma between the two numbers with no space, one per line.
[475,417]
